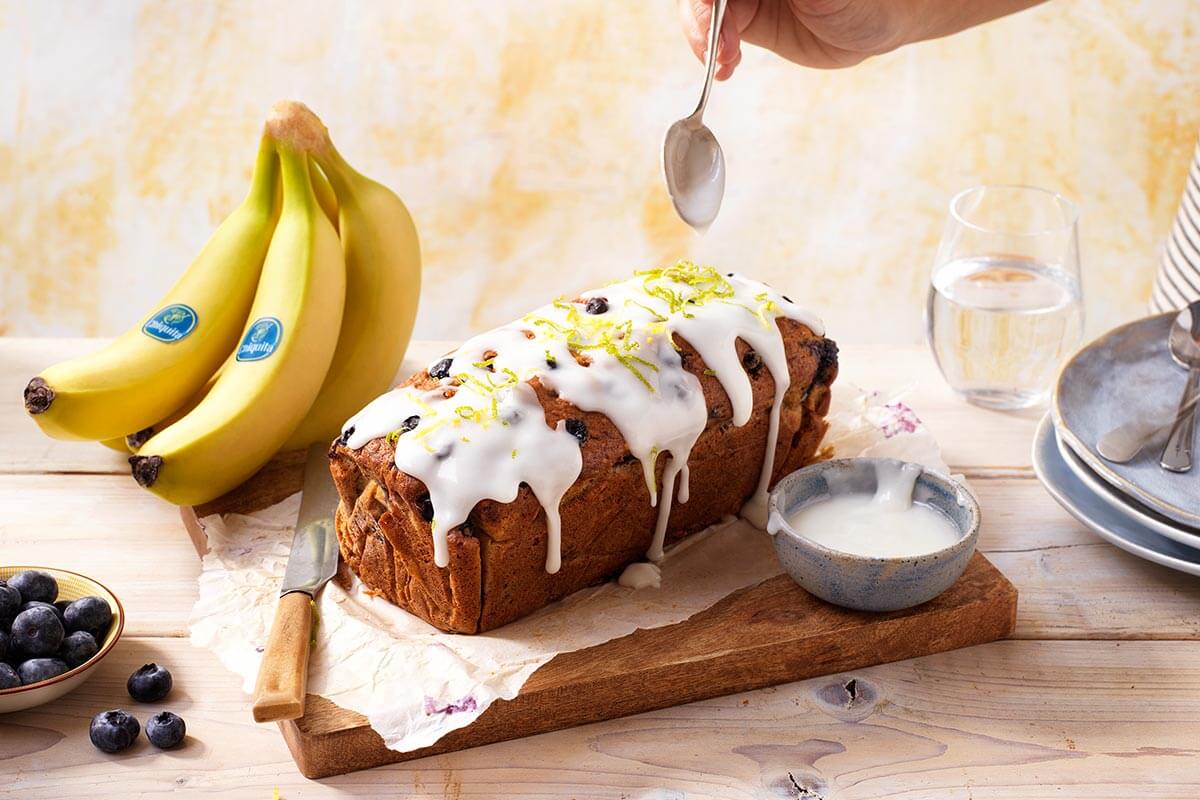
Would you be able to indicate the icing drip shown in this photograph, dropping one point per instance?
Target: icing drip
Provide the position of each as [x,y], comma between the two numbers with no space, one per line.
[481,433]
[641,575]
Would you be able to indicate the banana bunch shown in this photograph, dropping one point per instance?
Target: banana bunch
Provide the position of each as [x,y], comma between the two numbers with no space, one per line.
[295,313]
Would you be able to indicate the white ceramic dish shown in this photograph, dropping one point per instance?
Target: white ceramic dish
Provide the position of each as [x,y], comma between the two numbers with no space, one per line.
[1080,502]
[71,586]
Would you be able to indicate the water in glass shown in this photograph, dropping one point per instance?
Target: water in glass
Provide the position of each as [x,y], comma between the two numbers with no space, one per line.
[1000,326]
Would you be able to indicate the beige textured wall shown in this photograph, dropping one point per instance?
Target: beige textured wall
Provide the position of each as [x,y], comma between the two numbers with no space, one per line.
[525,136]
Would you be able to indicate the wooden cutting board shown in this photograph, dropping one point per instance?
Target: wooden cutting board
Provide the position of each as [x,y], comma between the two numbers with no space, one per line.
[763,635]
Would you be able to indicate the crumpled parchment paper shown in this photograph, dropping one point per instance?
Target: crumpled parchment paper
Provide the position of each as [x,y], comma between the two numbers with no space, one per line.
[414,683]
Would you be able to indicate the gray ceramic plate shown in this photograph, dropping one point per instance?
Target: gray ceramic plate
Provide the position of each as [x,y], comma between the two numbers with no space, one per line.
[1098,515]
[1127,506]
[1124,374]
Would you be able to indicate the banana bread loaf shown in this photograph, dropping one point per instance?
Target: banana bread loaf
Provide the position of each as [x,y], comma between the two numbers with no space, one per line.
[547,455]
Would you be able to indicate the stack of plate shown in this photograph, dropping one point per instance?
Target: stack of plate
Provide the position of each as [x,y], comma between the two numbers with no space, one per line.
[1127,374]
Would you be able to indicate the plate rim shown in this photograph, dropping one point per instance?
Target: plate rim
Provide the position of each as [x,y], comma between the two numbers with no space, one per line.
[1061,430]
[1044,430]
[1111,495]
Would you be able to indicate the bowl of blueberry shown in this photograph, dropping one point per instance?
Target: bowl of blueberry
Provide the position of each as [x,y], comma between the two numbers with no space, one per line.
[55,627]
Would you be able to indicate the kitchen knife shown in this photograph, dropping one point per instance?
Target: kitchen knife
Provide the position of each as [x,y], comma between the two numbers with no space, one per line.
[283,674]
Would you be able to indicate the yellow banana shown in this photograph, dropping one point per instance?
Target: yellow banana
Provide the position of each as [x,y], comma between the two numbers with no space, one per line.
[383,281]
[324,192]
[277,369]
[153,368]
[134,441]
[117,444]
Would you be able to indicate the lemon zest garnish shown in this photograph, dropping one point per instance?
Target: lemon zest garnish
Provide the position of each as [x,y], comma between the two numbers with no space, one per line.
[657,316]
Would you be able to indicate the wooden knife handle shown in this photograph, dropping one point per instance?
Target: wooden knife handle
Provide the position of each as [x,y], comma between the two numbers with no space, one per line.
[283,674]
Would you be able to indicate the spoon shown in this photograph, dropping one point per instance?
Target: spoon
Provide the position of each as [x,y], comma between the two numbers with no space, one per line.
[1185,349]
[693,164]
[1124,442]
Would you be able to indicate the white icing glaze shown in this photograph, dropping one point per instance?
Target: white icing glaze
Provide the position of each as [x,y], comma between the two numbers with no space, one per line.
[618,359]
[641,575]
[886,525]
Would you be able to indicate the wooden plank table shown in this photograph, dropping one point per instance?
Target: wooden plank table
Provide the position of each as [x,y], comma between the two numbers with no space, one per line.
[1097,695]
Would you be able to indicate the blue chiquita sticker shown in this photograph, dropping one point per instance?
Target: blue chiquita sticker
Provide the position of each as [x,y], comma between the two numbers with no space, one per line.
[171,323]
[261,339]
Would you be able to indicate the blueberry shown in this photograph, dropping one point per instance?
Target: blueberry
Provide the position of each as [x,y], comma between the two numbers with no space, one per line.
[578,428]
[91,614]
[37,632]
[150,683]
[113,731]
[9,679]
[39,604]
[3,646]
[77,648]
[35,585]
[36,670]
[752,361]
[165,730]
[61,605]
[425,506]
[597,305]
[10,601]
[441,369]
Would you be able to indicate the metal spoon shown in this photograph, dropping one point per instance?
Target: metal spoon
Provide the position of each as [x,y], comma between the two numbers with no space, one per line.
[693,164]
[1184,341]
[1124,442]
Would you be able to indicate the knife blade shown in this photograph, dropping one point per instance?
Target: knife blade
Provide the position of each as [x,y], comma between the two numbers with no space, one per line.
[283,675]
[314,556]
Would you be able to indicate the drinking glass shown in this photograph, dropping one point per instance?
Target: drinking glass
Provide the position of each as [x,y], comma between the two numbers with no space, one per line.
[1005,304]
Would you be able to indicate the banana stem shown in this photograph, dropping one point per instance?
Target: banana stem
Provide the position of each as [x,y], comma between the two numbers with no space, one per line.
[294,124]
[266,174]
[297,183]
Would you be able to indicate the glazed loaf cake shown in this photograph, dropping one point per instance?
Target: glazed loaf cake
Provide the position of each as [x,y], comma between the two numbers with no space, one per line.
[549,454]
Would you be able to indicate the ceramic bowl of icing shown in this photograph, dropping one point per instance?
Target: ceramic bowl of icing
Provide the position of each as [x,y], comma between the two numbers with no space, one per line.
[71,586]
[870,583]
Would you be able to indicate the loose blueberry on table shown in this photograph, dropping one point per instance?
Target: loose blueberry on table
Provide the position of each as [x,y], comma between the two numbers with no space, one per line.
[149,683]
[165,730]
[113,731]
[35,585]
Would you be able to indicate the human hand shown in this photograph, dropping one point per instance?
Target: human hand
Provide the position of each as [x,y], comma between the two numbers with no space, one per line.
[831,33]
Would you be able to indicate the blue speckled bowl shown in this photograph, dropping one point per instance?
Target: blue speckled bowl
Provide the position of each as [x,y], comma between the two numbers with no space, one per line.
[862,582]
